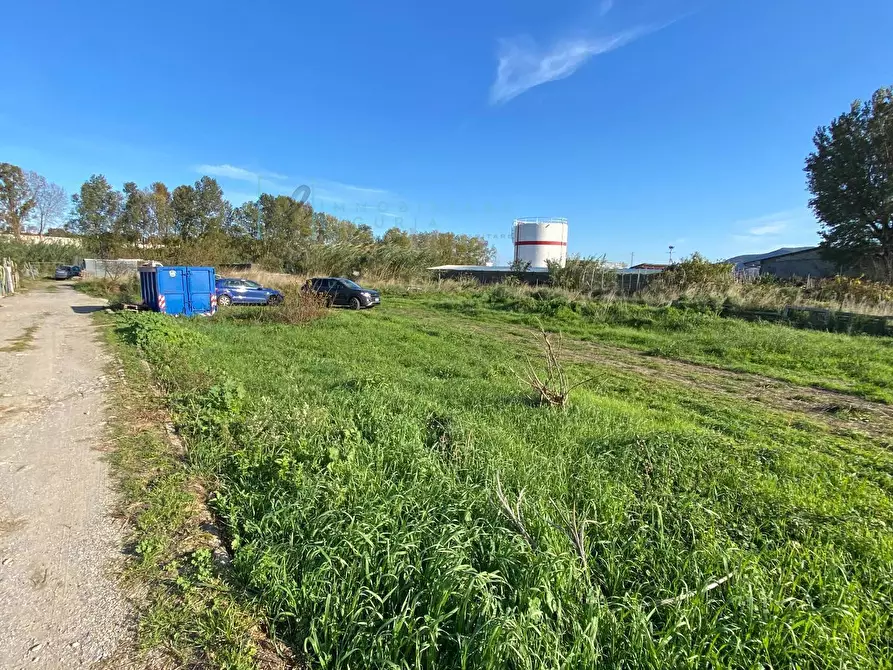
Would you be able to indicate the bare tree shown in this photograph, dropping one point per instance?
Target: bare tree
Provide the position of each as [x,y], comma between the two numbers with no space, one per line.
[50,201]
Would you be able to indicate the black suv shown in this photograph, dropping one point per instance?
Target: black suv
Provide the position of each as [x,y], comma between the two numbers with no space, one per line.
[341,291]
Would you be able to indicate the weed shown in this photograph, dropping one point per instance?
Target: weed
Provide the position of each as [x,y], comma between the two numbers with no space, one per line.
[23,341]
[191,613]
[116,291]
[391,503]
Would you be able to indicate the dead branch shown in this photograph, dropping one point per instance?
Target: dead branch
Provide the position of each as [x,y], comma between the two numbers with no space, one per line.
[689,594]
[514,513]
[554,388]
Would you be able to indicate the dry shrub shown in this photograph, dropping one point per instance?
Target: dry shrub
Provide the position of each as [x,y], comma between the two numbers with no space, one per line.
[299,306]
[553,388]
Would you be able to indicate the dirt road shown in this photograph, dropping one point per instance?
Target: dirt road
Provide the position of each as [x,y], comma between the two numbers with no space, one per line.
[59,546]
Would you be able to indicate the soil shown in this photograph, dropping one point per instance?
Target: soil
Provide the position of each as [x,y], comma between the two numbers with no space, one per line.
[60,547]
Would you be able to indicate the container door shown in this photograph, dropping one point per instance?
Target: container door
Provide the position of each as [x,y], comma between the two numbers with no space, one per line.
[200,284]
[147,288]
[171,290]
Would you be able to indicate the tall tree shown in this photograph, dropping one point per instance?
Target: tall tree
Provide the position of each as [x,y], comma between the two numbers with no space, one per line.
[850,177]
[50,201]
[198,210]
[184,212]
[135,222]
[15,198]
[160,212]
[95,212]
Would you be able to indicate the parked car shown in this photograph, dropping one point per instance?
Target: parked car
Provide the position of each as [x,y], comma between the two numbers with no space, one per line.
[341,291]
[67,271]
[245,292]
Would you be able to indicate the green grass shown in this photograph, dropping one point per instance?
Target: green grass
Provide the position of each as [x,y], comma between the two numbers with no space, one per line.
[116,291]
[354,463]
[857,364]
[192,614]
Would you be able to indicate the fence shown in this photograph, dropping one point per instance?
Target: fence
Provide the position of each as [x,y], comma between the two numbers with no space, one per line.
[102,268]
[819,318]
[9,277]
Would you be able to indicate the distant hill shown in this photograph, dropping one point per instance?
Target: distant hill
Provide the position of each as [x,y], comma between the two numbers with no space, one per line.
[748,258]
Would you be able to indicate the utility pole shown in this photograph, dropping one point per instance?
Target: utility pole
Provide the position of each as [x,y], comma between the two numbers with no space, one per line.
[632,257]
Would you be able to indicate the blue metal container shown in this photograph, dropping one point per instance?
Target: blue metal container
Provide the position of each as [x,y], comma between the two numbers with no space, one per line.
[179,289]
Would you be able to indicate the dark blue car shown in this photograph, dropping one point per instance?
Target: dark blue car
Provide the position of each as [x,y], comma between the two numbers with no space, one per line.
[245,292]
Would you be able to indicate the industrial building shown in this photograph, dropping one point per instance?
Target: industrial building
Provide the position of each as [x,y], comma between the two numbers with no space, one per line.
[538,241]
[802,263]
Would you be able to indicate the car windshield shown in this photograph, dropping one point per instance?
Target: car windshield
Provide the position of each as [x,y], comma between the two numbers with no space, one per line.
[349,284]
[250,284]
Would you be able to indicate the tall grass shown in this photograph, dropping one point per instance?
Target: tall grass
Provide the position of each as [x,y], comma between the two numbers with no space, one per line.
[857,364]
[43,253]
[360,464]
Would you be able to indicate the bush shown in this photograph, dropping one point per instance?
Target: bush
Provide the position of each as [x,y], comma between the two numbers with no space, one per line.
[117,291]
[587,275]
[695,271]
[299,307]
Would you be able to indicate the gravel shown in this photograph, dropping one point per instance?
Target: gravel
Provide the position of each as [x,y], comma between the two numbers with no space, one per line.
[60,548]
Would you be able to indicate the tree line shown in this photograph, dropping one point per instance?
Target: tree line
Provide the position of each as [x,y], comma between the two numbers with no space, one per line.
[195,223]
[849,176]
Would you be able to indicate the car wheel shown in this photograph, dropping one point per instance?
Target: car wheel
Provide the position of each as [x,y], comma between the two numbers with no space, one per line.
[355,303]
[274,300]
[224,301]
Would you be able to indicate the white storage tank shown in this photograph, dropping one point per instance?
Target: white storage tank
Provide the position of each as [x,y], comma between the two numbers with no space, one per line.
[540,239]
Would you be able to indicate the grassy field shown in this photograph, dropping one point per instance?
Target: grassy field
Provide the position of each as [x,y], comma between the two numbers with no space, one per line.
[395,499]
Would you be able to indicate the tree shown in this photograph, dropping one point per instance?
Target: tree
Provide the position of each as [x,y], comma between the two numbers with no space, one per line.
[15,198]
[198,210]
[135,222]
[160,213]
[394,237]
[95,213]
[850,177]
[50,201]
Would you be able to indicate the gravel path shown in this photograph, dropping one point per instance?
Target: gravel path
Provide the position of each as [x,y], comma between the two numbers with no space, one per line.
[60,606]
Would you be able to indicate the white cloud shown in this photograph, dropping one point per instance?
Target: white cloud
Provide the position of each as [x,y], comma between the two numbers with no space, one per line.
[227,171]
[337,192]
[337,185]
[605,7]
[769,229]
[775,223]
[523,64]
[788,228]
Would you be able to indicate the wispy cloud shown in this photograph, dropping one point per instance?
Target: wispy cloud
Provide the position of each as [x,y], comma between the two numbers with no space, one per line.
[770,229]
[605,7]
[227,171]
[523,64]
[337,192]
[787,228]
[775,223]
[328,183]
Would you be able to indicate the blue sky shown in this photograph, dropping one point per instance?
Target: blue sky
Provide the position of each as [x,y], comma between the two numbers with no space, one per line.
[644,122]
